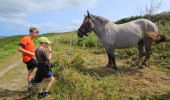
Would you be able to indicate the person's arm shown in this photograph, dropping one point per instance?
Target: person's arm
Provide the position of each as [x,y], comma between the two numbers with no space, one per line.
[22,45]
[49,53]
[20,48]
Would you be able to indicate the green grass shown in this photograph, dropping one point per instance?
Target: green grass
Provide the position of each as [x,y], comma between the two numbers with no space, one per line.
[8,46]
[81,73]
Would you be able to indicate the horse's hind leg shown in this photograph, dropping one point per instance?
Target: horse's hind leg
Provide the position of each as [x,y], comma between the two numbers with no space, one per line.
[148,50]
[141,52]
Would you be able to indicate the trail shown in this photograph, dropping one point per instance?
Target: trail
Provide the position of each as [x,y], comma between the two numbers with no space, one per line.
[13,81]
[8,68]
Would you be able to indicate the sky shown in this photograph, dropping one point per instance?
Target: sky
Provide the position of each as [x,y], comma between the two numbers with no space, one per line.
[16,16]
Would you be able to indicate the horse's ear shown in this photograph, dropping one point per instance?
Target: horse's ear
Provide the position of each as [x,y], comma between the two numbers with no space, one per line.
[88,14]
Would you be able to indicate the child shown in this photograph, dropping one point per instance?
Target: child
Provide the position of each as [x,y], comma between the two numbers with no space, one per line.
[26,47]
[43,55]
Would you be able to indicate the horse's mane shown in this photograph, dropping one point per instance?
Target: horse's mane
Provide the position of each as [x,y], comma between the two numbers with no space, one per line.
[101,19]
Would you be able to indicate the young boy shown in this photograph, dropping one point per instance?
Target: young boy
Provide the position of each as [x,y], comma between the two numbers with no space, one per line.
[26,46]
[43,55]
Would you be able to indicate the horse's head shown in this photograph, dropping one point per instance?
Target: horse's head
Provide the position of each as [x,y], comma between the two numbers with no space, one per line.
[86,26]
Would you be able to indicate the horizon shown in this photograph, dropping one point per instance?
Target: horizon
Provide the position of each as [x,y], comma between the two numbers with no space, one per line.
[58,16]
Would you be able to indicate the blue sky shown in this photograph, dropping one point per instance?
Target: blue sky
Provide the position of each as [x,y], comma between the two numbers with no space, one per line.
[64,15]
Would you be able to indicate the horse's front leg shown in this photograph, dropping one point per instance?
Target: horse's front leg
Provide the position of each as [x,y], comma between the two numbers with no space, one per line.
[109,64]
[112,58]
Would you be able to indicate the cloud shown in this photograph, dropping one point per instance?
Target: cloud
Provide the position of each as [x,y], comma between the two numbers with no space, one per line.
[51,27]
[48,27]
[76,23]
[14,13]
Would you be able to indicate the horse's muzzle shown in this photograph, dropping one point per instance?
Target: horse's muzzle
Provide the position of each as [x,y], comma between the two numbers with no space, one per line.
[79,33]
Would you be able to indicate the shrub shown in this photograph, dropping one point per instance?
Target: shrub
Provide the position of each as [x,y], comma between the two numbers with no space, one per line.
[90,41]
[77,62]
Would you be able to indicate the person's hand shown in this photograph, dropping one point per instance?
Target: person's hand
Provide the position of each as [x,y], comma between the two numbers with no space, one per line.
[33,54]
[49,48]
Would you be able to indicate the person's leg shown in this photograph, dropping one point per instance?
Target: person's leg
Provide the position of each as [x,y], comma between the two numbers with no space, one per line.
[45,92]
[48,75]
[38,78]
[30,75]
[51,81]
[41,86]
[30,67]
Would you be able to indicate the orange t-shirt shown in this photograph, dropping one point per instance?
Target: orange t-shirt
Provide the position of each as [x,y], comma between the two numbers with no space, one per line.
[29,46]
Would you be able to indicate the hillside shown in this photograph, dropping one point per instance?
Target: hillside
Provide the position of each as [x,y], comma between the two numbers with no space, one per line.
[81,73]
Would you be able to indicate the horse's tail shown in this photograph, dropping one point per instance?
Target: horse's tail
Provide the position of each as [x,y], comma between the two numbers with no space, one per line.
[158,37]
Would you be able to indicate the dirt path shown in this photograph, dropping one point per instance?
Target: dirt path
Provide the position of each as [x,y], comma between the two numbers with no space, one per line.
[8,68]
[13,79]
[13,83]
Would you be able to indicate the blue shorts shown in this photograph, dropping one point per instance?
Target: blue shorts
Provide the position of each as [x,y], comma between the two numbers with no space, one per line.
[42,72]
[39,76]
[48,74]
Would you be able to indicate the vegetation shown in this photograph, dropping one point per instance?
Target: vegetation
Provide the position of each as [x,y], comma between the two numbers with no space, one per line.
[79,67]
[8,45]
[82,76]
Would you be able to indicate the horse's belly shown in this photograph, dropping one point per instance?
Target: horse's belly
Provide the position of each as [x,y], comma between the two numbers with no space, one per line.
[127,42]
[125,45]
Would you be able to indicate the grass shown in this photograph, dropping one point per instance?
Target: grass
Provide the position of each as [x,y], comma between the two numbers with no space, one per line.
[81,73]
[10,59]
[8,46]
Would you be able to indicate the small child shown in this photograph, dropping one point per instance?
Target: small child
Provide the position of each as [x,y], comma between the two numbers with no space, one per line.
[43,56]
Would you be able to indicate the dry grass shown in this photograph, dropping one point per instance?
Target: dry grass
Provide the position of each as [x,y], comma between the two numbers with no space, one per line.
[95,81]
[81,75]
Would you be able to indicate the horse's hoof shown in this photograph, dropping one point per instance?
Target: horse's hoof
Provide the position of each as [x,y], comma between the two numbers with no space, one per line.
[114,67]
[108,65]
[142,66]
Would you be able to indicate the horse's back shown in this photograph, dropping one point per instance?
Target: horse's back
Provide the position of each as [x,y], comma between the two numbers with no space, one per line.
[131,33]
[147,24]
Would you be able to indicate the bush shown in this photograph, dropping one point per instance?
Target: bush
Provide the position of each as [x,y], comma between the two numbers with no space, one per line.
[77,62]
[90,41]
[161,18]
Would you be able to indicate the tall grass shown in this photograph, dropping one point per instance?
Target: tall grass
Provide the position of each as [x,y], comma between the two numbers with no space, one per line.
[9,45]
[77,82]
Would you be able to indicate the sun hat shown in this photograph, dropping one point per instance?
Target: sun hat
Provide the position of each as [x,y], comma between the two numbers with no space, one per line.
[44,39]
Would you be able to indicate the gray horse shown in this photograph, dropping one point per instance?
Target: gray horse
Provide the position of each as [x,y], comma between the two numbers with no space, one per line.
[115,36]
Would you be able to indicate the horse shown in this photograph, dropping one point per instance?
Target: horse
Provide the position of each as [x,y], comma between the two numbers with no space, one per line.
[118,36]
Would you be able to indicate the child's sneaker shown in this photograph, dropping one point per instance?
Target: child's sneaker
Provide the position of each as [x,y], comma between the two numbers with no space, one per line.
[30,87]
[43,94]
